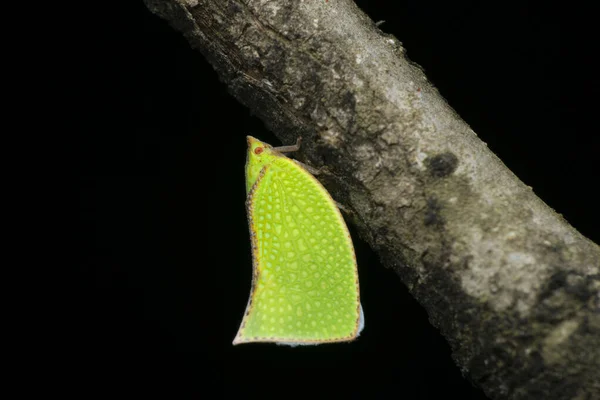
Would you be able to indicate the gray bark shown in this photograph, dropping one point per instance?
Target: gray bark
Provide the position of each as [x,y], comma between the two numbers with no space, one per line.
[510,284]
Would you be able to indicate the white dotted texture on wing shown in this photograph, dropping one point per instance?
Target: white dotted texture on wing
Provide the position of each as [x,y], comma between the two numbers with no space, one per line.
[306,283]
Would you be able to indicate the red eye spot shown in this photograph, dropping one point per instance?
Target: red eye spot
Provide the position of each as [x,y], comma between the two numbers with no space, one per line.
[258,150]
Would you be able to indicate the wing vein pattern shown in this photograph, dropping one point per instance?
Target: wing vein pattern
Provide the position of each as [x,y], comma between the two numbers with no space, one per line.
[304,259]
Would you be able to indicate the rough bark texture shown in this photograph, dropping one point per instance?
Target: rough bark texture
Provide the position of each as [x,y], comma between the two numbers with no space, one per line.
[513,287]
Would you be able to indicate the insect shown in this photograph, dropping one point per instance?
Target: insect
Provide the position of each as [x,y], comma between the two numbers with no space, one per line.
[305,282]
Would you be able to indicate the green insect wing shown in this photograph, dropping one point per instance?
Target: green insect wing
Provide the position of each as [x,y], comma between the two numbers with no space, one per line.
[305,281]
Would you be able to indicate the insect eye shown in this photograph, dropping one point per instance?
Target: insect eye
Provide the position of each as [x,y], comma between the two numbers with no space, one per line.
[258,150]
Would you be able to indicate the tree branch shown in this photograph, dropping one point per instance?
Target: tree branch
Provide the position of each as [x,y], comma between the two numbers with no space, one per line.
[511,285]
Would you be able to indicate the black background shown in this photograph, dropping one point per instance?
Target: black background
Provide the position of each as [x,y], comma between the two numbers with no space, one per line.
[165,263]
